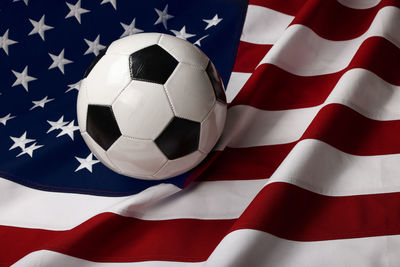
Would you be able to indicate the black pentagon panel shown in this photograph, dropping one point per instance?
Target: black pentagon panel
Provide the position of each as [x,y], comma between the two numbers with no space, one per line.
[152,64]
[179,138]
[94,62]
[102,126]
[216,82]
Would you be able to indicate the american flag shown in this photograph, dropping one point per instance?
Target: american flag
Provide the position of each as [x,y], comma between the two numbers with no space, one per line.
[307,172]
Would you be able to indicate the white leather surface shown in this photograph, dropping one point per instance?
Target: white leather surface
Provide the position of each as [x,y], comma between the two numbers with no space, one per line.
[107,79]
[136,157]
[190,92]
[183,51]
[212,127]
[142,110]
[180,165]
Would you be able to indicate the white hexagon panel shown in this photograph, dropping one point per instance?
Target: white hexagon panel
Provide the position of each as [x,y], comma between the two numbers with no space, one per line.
[136,157]
[190,92]
[212,127]
[183,51]
[142,110]
[180,165]
[115,76]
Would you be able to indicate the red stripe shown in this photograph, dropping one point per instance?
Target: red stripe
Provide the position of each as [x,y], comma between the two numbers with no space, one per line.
[335,124]
[272,88]
[249,55]
[278,89]
[350,132]
[288,7]
[331,20]
[293,213]
[112,238]
[199,170]
[280,209]
[247,163]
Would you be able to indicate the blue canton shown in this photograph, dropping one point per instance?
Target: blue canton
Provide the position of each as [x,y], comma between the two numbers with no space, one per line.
[45,47]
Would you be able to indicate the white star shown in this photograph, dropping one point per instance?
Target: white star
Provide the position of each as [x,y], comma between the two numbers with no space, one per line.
[59,61]
[55,125]
[130,29]
[39,27]
[22,78]
[95,46]
[5,42]
[76,11]
[29,150]
[86,163]
[75,86]
[69,129]
[25,1]
[163,16]
[198,41]
[212,22]
[182,33]
[112,2]
[20,141]
[41,103]
[4,119]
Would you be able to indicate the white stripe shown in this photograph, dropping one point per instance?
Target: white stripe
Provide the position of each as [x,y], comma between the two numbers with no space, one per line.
[247,126]
[235,84]
[256,248]
[358,89]
[320,168]
[302,52]
[359,4]
[203,200]
[51,258]
[264,25]
[368,94]
[25,207]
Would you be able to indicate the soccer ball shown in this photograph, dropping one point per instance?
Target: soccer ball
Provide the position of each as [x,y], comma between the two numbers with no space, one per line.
[151,106]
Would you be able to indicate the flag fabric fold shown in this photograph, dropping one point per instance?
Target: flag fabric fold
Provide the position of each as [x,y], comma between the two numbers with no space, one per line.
[306,172]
